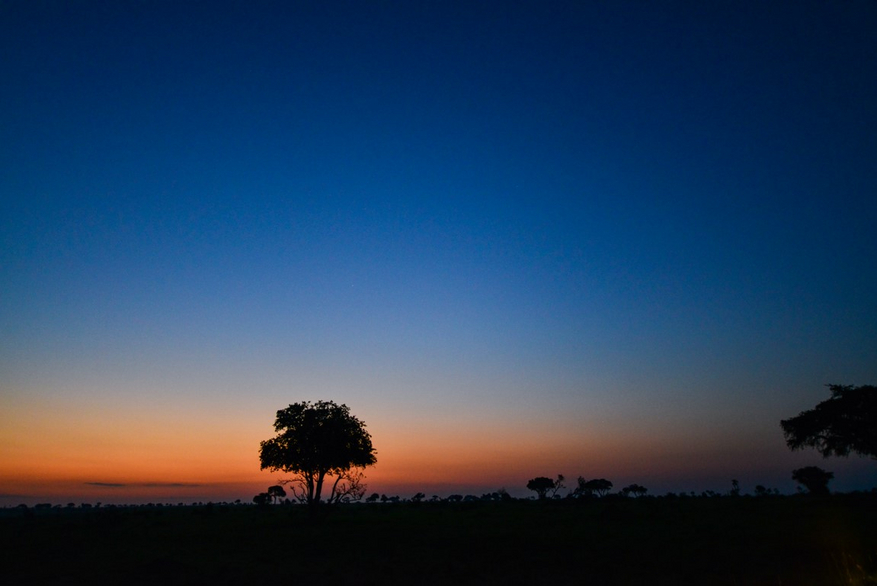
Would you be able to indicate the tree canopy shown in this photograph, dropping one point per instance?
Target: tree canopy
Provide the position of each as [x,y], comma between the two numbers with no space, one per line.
[316,440]
[814,479]
[542,484]
[844,423]
[598,486]
[636,490]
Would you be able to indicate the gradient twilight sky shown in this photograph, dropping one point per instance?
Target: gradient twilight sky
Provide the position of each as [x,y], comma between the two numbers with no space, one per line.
[608,239]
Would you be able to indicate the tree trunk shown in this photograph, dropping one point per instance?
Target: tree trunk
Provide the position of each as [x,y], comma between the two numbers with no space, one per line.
[320,477]
[309,485]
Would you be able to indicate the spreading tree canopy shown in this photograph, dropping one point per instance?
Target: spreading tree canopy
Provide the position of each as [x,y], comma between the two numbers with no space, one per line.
[541,485]
[844,423]
[814,479]
[597,486]
[316,441]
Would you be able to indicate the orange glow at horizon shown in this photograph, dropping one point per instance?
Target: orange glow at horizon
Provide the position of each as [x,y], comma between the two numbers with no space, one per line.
[157,453]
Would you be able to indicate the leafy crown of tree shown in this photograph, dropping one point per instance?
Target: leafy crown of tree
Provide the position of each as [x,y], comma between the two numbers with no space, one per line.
[317,440]
[844,423]
[317,437]
[813,478]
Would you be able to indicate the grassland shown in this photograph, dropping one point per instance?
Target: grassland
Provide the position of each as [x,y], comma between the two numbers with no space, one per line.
[706,540]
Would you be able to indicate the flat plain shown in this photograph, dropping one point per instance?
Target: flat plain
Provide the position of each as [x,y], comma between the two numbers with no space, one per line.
[720,540]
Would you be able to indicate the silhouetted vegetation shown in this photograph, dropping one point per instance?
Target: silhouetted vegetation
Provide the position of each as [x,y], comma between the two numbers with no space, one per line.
[844,423]
[813,478]
[653,540]
[593,535]
[735,488]
[597,487]
[542,485]
[276,492]
[316,441]
[634,489]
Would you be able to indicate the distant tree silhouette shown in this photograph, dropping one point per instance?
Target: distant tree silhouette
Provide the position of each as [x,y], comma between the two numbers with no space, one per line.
[735,487]
[276,492]
[760,490]
[597,487]
[844,423]
[541,485]
[261,499]
[418,497]
[504,494]
[635,490]
[316,441]
[558,486]
[373,498]
[813,478]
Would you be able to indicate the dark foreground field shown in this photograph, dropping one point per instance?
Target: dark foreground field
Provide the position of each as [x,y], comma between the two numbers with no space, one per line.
[720,540]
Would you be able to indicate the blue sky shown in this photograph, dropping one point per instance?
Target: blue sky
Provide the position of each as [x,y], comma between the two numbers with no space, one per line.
[643,227]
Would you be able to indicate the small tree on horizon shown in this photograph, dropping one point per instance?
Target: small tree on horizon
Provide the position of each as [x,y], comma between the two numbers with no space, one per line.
[598,487]
[541,485]
[276,492]
[635,489]
[814,479]
[735,487]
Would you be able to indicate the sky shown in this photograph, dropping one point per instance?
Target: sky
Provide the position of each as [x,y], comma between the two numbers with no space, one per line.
[614,240]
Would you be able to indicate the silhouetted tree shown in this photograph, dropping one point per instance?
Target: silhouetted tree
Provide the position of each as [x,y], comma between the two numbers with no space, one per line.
[598,486]
[504,494]
[349,486]
[813,478]
[760,490]
[634,489]
[262,499]
[844,423]
[541,485]
[373,498]
[316,440]
[418,497]
[276,492]
[558,485]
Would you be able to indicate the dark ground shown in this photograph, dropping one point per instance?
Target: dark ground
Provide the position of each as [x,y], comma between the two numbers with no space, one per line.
[684,540]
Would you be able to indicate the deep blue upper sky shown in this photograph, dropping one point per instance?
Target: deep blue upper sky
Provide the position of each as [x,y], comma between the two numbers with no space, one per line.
[645,210]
